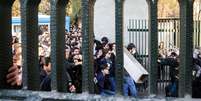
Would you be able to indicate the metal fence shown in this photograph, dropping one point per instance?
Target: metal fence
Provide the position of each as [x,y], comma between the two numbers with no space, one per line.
[168,33]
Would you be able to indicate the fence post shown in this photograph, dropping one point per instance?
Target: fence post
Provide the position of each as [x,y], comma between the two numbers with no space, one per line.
[186,47]
[30,32]
[57,29]
[153,45]
[87,47]
[119,46]
[5,40]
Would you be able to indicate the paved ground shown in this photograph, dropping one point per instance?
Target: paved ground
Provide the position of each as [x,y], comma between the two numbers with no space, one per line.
[22,95]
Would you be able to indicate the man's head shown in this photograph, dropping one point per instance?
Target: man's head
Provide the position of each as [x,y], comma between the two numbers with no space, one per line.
[104,40]
[76,51]
[105,68]
[161,45]
[108,54]
[47,65]
[173,55]
[77,58]
[131,48]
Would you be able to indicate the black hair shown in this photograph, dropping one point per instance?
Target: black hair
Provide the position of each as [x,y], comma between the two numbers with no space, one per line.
[105,39]
[103,66]
[173,54]
[47,61]
[75,48]
[130,46]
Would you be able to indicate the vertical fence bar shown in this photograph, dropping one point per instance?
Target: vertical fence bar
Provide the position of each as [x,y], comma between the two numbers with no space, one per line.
[119,46]
[132,27]
[146,43]
[24,49]
[57,25]
[139,38]
[186,46]
[175,32]
[166,34]
[135,38]
[91,43]
[129,27]
[132,33]
[153,47]
[169,33]
[159,36]
[142,53]
[30,43]
[198,33]
[5,40]
[162,31]
[87,46]
[194,34]
[196,26]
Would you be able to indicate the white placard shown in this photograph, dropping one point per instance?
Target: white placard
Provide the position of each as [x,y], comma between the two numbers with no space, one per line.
[133,67]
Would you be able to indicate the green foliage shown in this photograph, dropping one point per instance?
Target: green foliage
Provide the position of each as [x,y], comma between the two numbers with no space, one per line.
[44,7]
[168,8]
[74,10]
[16,8]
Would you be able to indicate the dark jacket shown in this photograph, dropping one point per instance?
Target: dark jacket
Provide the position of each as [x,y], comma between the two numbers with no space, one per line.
[101,80]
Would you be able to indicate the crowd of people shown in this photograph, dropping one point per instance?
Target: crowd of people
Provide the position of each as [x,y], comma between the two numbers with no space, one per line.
[196,84]
[104,64]
[171,58]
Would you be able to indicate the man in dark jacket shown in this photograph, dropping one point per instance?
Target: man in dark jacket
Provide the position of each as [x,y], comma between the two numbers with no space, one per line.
[101,77]
[172,61]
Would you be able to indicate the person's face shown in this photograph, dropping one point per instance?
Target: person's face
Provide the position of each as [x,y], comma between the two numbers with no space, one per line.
[133,50]
[76,51]
[76,58]
[113,46]
[106,70]
[48,67]
[67,54]
[108,55]
[106,46]
[161,45]
[100,52]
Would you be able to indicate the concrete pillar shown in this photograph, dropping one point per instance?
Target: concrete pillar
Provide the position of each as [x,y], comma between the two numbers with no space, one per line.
[119,46]
[186,47]
[57,30]
[87,47]
[30,31]
[153,45]
[5,40]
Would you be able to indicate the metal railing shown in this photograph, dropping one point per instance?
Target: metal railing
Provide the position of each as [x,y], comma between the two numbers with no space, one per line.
[168,32]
